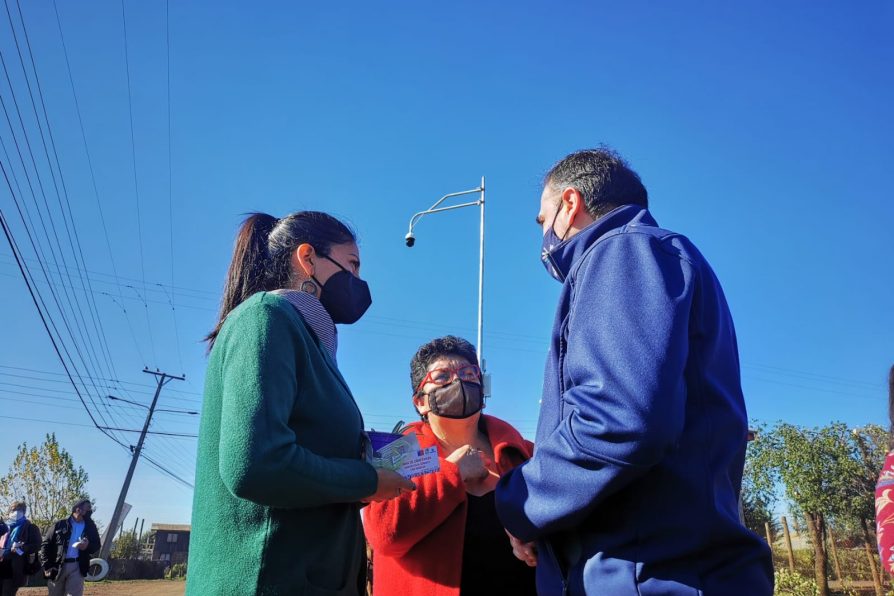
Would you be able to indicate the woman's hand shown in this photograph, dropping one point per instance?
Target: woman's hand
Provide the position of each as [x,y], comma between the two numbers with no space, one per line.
[523,551]
[470,464]
[390,485]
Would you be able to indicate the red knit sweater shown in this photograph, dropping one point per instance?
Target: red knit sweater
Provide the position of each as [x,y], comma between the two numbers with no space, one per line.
[417,538]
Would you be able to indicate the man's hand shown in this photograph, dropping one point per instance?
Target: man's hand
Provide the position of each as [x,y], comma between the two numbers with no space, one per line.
[83,543]
[390,485]
[523,551]
[470,463]
[49,572]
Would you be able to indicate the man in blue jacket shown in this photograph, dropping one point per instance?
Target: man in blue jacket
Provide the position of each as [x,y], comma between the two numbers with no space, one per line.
[634,483]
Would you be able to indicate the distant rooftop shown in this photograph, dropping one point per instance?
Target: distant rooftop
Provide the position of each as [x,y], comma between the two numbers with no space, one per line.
[171,527]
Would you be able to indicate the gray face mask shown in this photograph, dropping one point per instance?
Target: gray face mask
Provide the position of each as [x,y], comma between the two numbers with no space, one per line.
[459,399]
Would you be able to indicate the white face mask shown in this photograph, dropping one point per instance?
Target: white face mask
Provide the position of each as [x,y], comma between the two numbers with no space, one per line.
[15,516]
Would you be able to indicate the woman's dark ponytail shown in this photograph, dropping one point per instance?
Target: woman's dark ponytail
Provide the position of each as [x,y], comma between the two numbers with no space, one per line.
[262,254]
[248,268]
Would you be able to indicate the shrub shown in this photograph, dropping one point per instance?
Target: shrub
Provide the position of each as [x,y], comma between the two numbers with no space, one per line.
[176,571]
[794,584]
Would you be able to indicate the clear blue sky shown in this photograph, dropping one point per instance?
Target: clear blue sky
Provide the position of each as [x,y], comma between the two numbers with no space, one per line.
[763,133]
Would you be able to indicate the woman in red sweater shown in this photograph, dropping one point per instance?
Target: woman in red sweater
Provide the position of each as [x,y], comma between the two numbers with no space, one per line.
[444,538]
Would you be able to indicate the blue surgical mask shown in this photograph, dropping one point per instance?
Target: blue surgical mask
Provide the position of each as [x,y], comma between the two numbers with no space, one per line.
[551,241]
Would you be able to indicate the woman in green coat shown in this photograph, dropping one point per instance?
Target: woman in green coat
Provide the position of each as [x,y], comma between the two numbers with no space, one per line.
[280,475]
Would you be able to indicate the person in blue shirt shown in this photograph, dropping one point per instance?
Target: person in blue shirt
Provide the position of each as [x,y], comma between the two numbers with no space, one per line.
[633,487]
[66,549]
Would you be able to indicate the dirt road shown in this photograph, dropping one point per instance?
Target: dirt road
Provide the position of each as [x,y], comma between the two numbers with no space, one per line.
[157,587]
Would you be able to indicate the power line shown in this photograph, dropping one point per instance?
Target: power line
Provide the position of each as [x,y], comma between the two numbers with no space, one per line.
[136,185]
[154,432]
[77,105]
[173,411]
[71,229]
[9,238]
[46,372]
[171,176]
[77,321]
[149,460]
[166,471]
[208,294]
[26,275]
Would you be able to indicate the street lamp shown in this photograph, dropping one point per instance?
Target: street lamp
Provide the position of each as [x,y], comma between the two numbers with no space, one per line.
[410,239]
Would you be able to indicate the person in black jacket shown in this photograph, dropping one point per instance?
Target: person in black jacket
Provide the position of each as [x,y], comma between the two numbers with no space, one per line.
[66,550]
[19,543]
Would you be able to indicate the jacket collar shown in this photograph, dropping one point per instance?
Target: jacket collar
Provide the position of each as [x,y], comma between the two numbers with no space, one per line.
[565,255]
[502,435]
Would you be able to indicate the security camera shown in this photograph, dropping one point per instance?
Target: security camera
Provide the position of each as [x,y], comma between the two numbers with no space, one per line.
[411,240]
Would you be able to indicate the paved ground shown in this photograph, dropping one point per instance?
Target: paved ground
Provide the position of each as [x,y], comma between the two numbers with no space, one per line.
[157,587]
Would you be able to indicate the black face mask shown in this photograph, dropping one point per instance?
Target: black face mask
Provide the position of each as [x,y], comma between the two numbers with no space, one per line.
[87,514]
[344,295]
[459,399]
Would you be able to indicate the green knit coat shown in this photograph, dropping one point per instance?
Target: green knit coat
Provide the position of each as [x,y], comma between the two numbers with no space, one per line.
[279,470]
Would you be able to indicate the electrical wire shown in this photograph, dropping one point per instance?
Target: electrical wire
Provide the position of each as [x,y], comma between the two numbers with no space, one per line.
[8,233]
[71,227]
[171,178]
[136,185]
[78,321]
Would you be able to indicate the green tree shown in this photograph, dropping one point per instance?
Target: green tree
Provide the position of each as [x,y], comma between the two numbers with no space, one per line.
[870,444]
[758,486]
[127,546]
[46,478]
[817,468]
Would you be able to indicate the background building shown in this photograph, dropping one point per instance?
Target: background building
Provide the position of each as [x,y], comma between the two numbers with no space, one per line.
[167,542]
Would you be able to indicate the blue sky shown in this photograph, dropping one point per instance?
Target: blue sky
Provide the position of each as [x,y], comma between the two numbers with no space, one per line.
[762,132]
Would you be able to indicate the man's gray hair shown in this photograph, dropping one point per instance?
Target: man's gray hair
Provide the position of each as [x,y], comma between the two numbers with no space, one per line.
[602,177]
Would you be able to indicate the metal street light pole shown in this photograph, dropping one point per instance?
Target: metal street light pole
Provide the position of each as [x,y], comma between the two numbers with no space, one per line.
[411,240]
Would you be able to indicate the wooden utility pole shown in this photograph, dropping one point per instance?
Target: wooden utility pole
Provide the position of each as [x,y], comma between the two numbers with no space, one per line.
[161,379]
[769,534]
[788,544]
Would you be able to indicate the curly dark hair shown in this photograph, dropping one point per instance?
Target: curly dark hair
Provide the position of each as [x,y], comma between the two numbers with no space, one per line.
[603,178]
[449,345]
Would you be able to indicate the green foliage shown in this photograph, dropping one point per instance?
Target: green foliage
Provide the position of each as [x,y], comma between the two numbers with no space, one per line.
[816,466]
[127,546]
[46,478]
[869,447]
[827,473]
[176,571]
[794,584]
[758,494]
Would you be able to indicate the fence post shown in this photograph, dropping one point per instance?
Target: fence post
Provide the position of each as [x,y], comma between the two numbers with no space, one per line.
[788,544]
[834,554]
[876,580]
[769,535]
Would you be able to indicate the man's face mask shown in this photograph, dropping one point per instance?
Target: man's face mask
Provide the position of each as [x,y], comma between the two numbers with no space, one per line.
[459,399]
[551,241]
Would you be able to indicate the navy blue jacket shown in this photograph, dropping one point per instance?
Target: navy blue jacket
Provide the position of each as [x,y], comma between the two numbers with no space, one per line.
[633,487]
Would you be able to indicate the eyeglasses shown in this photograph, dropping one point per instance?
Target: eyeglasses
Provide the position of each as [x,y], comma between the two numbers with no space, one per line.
[444,376]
